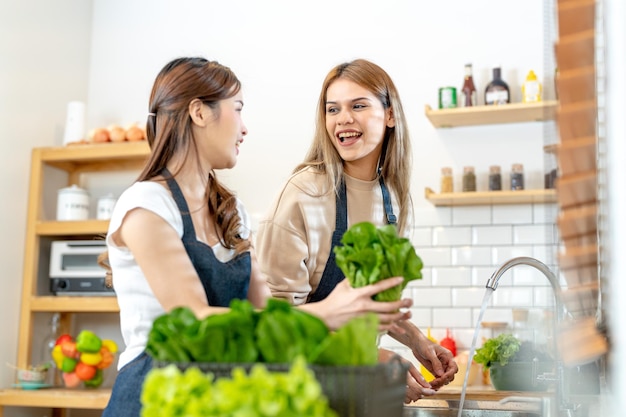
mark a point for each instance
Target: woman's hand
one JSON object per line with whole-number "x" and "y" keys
{"x": 437, "y": 359}
{"x": 416, "y": 385}
{"x": 344, "y": 303}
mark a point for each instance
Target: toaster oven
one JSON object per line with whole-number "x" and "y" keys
{"x": 74, "y": 268}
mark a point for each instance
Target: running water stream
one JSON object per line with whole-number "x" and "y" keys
{"x": 486, "y": 298}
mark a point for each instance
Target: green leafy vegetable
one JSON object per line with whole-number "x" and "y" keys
{"x": 352, "y": 344}
{"x": 499, "y": 349}
{"x": 171, "y": 392}
{"x": 277, "y": 334}
{"x": 284, "y": 333}
{"x": 371, "y": 254}
{"x": 507, "y": 348}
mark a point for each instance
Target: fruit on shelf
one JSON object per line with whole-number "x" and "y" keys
{"x": 81, "y": 360}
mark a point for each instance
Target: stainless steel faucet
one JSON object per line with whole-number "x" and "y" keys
{"x": 525, "y": 260}
{"x": 564, "y": 407}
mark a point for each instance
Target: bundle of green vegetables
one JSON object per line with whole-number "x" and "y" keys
{"x": 279, "y": 333}
{"x": 171, "y": 392}
{"x": 371, "y": 254}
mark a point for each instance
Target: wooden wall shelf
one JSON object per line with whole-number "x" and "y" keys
{"x": 490, "y": 197}
{"x": 486, "y": 115}
{"x": 90, "y": 157}
{"x": 64, "y": 228}
{"x": 75, "y": 304}
{"x": 95, "y": 399}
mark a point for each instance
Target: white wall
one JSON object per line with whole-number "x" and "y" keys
{"x": 44, "y": 63}
{"x": 282, "y": 50}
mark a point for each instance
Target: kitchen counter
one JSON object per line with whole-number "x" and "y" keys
{"x": 477, "y": 393}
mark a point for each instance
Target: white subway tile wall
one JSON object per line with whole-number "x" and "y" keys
{"x": 461, "y": 248}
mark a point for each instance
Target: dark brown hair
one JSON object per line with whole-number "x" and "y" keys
{"x": 168, "y": 129}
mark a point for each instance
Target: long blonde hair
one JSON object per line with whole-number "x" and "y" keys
{"x": 396, "y": 166}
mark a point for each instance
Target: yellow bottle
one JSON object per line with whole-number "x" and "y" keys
{"x": 427, "y": 375}
{"x": 531, "y": 89}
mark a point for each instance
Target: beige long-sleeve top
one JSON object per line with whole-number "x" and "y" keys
{"x": 294, "y": 240}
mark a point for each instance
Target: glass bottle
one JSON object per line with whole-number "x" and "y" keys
{"x": 517, "y": 177}
{"x": 495, "y": 178}
{"x": 48, "y": 344}
{"x": 497, "y": 91}
{"x": 468, "y": 91}
{"x": 469, "y": 179}
{"x": 446, "y": 180}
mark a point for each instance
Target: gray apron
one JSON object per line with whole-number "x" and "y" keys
{"x": 222, "y": 282}
{"x": 332, "y": 275}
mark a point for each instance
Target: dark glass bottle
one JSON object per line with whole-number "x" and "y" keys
{"x": 497, "y": 91}
{"x": 468, "y": 91}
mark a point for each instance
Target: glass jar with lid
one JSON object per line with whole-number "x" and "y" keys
{"x": 469, "y": 179}
{"x": 495, "y": 178}
{"x": 446, "y": 180}
{"x": 517, "y": 177}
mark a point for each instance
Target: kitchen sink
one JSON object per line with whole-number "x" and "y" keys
{"x": 410, "y": 411}
{"x": 450, "y": 408}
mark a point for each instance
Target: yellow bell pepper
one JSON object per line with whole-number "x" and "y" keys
{"x": 90, "y": 358}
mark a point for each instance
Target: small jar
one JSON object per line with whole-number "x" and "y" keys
{"x": 469, "y": 179}
{"x": 72, "y": 204}
{"x": 105, "y": 207}
{"x": 446, "y": 180}
{"x": 517, "y": 177}
{"x": 495, "y": 178}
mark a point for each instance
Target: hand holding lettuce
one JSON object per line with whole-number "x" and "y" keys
{"x": 371, "y": 254}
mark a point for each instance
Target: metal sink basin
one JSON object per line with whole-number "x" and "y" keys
{"x": 450, "y": 408}
{"x": 410, "y": 411}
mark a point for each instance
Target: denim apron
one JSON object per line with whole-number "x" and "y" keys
{"x": 332, "y": 275}
{"x": 222, "y": 282}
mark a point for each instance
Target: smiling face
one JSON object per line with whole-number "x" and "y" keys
{"x": 356, "y": 122}
{"x": 224, "y": 132}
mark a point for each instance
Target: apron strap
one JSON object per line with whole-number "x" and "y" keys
{"x": 391, "y": 218}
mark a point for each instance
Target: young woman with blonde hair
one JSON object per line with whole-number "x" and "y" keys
{"x": 357, "y": 169}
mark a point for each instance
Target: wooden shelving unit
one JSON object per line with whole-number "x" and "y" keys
{"x": 490, "y": 197}
{"x": 488, "y": 115}
{"x": 74, "y": 161}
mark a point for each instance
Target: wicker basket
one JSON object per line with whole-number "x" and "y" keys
{"x": 352, "y": 391}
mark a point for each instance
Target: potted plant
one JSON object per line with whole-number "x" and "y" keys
{"x": 514, "y": 365}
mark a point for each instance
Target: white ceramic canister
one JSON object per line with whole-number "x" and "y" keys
{"x": 105, "y": 207}
{"x": 72, "y": 203}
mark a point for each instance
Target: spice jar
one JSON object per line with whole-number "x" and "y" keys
{"x": 495, "y": 178}
{"x": 517, "y": 177}
{"x": 446, "y": 180}
{"x": 469, "y": 179}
